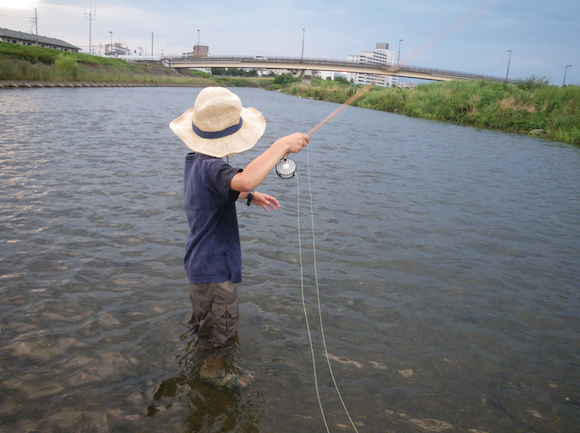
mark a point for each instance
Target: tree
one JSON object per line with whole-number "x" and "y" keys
{"x": 218, "y": 71}
{"x": 533, "y": 82}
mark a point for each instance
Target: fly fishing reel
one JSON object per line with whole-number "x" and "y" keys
{"x": 286, "y": 168}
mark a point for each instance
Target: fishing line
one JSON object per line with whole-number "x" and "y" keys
{"x": 318, "y": 294}
{"x": 455, "y": 26}
{"x": 286, "y": 169}
{"x": 304, "y": 307}
{"x": 458, "y": 24}
{"x": 318, "y": 303}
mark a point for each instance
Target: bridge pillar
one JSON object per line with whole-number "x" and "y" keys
{"x": 306, "y": 77}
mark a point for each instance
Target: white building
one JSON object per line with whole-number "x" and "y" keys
{"x": 408, "y": 85}
{"x": 382, "y": 57}
{"x": 117, "y": 49}
{"x": 324, "y": 75}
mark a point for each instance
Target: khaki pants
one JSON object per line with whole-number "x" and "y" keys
{"x": 215, "y": 312}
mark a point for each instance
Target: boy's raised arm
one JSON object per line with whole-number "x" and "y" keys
{"x": 258, "y": 169}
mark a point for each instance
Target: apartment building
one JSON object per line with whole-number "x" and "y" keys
{"x": 381, "y": 56}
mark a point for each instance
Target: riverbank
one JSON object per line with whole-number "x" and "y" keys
{"x": 29, "y": 84}
{"x": 27, "y": 64}
{"x": 527, "y": 107}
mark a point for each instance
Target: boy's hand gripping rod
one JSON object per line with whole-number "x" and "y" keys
{"x": 286, "y": 168}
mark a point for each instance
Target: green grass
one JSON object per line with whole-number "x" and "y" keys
{"x": 28, "y": 63}
{"x": 48, "y": 56}
{"x": 522, "y": 107}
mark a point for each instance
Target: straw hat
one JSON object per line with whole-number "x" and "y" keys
{"x": 218, "y": 125}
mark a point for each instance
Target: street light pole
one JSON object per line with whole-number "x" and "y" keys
{"x": 111, "y": 47}
{"x": 508, "y": 68}
{"x": 399, "y": 55}
{"x": 197, "y": 43}
{"x": 303, "y": 34}
{"x": 565, "y": 70}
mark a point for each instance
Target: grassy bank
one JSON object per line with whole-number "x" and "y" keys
{"x": 526, "y": 106}
{"x": 28, "y": 63}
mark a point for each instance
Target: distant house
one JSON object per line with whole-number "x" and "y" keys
{"x": 21, "y": 38}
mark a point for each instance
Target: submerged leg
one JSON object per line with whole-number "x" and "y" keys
{"x": 215, "y": 371}
{"x": 215, "y": 320}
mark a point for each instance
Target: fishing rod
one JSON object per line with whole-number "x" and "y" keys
{"x": 286, "y": 167}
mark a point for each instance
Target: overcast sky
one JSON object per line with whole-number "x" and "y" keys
{"x": 460, "y": 35}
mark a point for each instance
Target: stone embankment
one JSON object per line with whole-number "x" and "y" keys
{"x": 76, "y": 84}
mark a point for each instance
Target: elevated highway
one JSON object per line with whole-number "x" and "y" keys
{"x": 295, "y": 64}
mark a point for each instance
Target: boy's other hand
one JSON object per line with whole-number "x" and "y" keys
{"x": 265, "y": 201}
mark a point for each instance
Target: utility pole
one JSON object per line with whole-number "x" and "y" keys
{"x": 36, "y": 26}
{"x": 399, "y": 55}
{"x": 303, "y": 34}
{"x": 508, "y": 68}
{"x": 90, "y": 16}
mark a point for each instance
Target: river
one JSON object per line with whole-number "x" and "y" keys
{"x": 446, "y": 259}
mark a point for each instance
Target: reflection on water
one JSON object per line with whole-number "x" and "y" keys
{"x": 447, "y": 263}
{"x": 191, "y": 404}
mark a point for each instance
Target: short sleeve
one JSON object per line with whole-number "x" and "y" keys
{"x": 220, "y": 176}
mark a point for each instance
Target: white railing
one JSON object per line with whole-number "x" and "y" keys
{"x": 337, "y": 63}
{"x": 139, "y": 58}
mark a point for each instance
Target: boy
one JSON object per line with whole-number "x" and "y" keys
{"x": 216, "y": 127}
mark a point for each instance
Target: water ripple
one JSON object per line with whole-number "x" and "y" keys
{"x": 447, "y": 262}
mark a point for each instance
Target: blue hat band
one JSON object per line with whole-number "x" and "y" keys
{"x": 218, "y": 134}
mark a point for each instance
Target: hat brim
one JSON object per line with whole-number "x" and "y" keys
{"x": 244, "y": 139}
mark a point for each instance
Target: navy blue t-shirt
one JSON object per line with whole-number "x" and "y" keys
{"x": 212, "y": 248}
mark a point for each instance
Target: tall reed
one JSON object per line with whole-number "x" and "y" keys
{"x": 553, "y": 110}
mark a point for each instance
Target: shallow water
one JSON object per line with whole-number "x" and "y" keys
{"x": 446, "y": 259}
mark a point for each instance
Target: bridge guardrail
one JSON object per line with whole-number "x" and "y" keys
{"x": 329, "y": 62}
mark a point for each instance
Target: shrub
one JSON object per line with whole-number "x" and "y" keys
{"x": 283, "y": 79}
{"x": 67, "y": 66}
{"x": 200, "y": 74}
{"x": 342, "y": 80}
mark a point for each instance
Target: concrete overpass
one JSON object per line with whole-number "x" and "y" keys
{"x": 323, "y": 65}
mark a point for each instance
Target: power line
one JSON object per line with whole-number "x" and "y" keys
{"x": 9, "y": 16}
